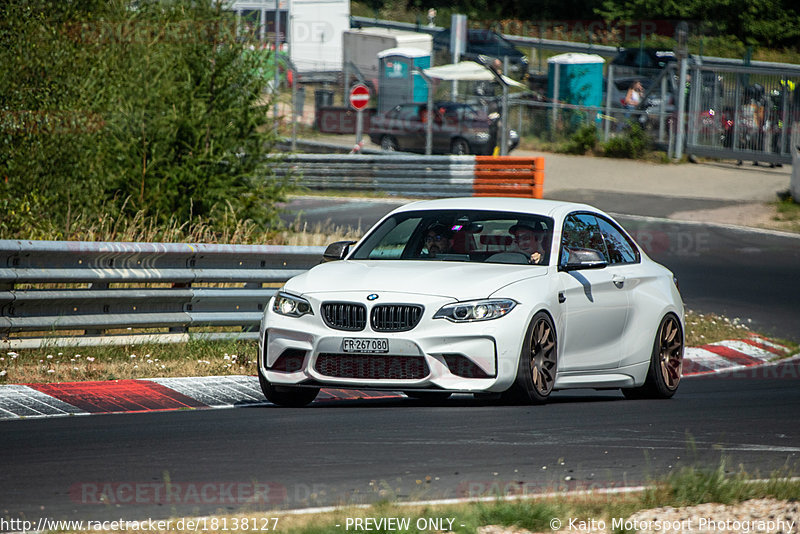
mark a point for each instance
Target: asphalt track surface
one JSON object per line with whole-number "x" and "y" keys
{"x": 740, "y": 273}
{"x": 358, "y": 451}
{"x": 188, "y": 463}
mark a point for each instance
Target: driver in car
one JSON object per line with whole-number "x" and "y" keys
{"x": 438, "y": 240}
{"x": 529, "y": 240}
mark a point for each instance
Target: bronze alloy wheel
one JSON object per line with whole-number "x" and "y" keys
{"x": 671, "y": 352}
{"x": 666, "y": 363}
{"x": 543, "y": 357}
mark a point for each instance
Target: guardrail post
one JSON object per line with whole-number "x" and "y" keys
{"x": 538, "y": 177}
{"x": 507, "y": 176}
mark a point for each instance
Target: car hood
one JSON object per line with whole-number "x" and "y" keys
{"x": 456, "y": 280}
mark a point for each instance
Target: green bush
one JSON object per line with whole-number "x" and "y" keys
{"x": 107, "y": 110}
{"x": 582, "y": 141}
{"x": 633, "y": 143}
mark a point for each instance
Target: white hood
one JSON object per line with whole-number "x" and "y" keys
{"x": 456, "y": 280}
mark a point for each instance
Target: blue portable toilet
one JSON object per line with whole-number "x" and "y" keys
{"x": 579, "y": 79}
{"x": 396, "y": 83}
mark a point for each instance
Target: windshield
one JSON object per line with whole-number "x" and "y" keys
{"x": 460, "y": 235}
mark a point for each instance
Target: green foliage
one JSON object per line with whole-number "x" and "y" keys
{"x": 767, "y": 23}
{"x": 762, "y": 23}
{"x": 633, "y": 143}
{"x": 531, "y": 515}
{"x": 108, "y": 110}
{"x": 582, "y": 141}
{"x": 690, "y": 486}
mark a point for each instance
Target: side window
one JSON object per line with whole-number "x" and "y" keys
{"x": 392, "y": 245}
{"x": 620, "y": 248}
{"x": 408, "y": 113}
{"x": 581, "y": 231}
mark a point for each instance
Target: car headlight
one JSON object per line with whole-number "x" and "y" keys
{"x": 291, "y": 306}
{"x": 477, "y": 310}
{"x": 482, "y": 136}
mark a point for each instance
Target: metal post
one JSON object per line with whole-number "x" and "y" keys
{"x": 294, "y": 112}
{"x": 262, "y": 27}
{"x": 609, "y": 86}
{"x": 458, "y": 38}
{"x": 504, "y": 114}
{"x": 359, "y": 128}
{"x": 662, "y": 109}
{"x": 737, "y": 98}
{"x": 784, "y": 116}
{"x": 556, "y": 88}
{"x": 429, "y": 122}
{"x": 679, "y": 136}
{"x": 695, "y": 88}
{"x": 277, "y": 78}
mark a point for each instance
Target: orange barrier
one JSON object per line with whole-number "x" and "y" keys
{"x": 507, "y": 176}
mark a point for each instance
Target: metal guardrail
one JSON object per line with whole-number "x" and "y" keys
{"x": 408, "y": 175}
{"x": 58, "y": 293}
{"x": 418, "y": 176}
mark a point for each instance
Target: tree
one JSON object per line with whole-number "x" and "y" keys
{"x": 169, "y": 112}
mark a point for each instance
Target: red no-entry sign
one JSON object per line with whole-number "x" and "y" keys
{"x": 359, "y": 96}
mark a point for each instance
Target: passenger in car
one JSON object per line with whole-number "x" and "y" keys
{"x": 529, "y": 239}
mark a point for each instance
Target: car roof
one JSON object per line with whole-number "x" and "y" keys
{"x": 551, "y": 208}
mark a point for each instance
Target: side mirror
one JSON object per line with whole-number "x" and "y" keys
{"x": 583, "y": 258}
{"x": 336, "y": 251}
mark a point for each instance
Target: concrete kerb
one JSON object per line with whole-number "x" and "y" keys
{"x": 751, "y": 357}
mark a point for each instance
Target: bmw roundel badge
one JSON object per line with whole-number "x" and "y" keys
{"x": 373, "y": 296}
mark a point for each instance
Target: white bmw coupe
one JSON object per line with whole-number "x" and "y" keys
{"x": 491, "y": 296}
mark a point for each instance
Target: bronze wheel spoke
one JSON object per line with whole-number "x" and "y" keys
{"x": 537, "y": 378}
{"x": 543, "y": 359}
{"x": 671, "y": 354}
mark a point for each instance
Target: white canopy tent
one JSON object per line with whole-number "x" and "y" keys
{"x": 468, "y": 71}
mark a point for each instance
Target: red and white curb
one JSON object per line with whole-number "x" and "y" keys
{"x": 166, "y": 394}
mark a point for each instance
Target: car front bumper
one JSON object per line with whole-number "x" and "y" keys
{"x": 436, "y": 355}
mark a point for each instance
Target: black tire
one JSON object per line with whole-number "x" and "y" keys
{"x": 666, "y": 363}
{"x": 459, "y": 147}
{"x": 294, "y": 397}
{"x": 388, "y": 143}
{"x": 428, "y": 396}
{"x": 538, "y": 362}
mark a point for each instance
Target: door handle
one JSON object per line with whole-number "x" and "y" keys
{"x": 619, "y": 281}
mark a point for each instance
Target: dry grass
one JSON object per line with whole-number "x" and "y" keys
{"x": 195, "y": 358}
{"x": 705, "y": 328}
{"x": 230, "y": 230}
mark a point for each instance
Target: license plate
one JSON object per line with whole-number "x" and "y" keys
{"x": 365, "y": 344}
